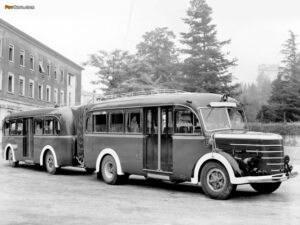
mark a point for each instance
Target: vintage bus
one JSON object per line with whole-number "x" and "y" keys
{"x": 46, "y": 137}
{"x": 194, "y": 137}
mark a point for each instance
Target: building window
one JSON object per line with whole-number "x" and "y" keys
{"x": 69, "y": 79}
{"x": 22, "y": 58}
{"x": 48, "y": 93}
{"x": 21, "y": 86}
{"x": 70, "y": 98}
{"x": 48, "y": 70}
{"x": 11, "y": 53}
{"x": 62, "y": 76}
{"x": 62, "y": 97}
{"x": 55, "y": 96}
{"x": 0, "y": 47}
{"x": 55, "y": 74}
{"x": 31, "y": 62}
{"x": 31, "y": 89}
{"x": 41, "y": 67}
{"x": 0, "y": 79}
{"x": 40, "y": 92}
{"x": 10, "y": 83}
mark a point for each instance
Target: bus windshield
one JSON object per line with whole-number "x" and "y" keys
{"x": 223, "y": 118}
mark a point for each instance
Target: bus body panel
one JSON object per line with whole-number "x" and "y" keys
{"x": 63, "y": 146}
{"x": 186, "y": 152}
{"x": 129, "y": 148}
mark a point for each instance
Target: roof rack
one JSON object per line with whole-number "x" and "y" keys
{"x": 139, "y": 93}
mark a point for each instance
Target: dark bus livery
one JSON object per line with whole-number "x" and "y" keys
{"x": 200, "y": 138}
{"x": 46, "y": 137}
{"x": 195, "y": 137}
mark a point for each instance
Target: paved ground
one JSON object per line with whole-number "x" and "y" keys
{"x": 29, "y": 195}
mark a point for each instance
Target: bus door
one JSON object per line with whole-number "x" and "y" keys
{"x": 151, "y": 140}
{"x": 158, "y": 141}
{"x": 166, "y": 139}
{"x": 28, "y": 132}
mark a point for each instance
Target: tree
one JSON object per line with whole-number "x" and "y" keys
{"x": 114, "y": 68}
{"x": 205, "y": 67}
{"x": 284, "y": 103}
{"x": 157, "y": 59}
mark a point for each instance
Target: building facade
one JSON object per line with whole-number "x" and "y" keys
{"x": 33, "y": 75}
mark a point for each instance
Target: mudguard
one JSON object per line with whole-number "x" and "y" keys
{"x": 238, "y": 172}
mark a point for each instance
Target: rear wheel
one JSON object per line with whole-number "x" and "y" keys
{"x": 50, "y": 163}
{"x": 109, "y": 171}
{"x": 215, "y": 181}
{"x": 11, "y": 159}
{"x": 265, "y": 188}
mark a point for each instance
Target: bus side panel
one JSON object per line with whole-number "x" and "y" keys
{"x": 128, "y": 148}
{"x": 186, "y": 153}
{"x": 64, "y": 147}
{"x": 17, "y": 142}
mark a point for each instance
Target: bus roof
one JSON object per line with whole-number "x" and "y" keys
{"x": 40, "y": 112}
{"x": 194, "y": 100}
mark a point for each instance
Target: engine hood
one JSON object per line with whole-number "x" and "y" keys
{"x": 246, "y": 135}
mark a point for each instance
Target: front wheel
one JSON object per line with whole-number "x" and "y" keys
{"x": 265, "y": 188}
{"x": 215, "y": 181}
{"x": 50, "y": 163}
{"x": 11, "y": 161}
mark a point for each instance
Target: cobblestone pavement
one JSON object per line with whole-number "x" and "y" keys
{"x": 28, "y": 195}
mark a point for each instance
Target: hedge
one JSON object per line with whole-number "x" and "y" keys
{"x": 285, "y": 129}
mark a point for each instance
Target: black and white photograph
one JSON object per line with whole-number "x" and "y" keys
{"x": 149, "y": 112}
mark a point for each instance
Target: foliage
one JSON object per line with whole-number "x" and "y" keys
{"x": 153, "y": 66}
{"x": 284, "y": 103}
{"x": 205, "y": 67}
{"x": 254, "y": 96}
{"x": 285, "y": 129}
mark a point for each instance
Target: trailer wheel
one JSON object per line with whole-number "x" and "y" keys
{"x": 11, "y": 158}
{"x": 265, "y": 188}
{"x": 49, "y": 162}
{"x": 215, "y": 181}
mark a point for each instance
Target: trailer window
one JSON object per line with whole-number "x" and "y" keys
{"x": 12, "y": 127}
{"x": 48, "y": 126}
{"x": 19, "y": 130}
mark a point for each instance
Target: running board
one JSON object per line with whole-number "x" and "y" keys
{"x": 29, "y": 162}
{"x": 158, "y": 176}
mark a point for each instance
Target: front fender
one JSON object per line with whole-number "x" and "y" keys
{"x": 238, "y": 172}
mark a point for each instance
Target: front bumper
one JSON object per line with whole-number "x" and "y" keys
{"x": 264, "y": 179}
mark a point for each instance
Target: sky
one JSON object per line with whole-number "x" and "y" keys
{"x": 257, "y": 28}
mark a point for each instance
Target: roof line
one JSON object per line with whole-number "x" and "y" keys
{"x": 31, "y": 39}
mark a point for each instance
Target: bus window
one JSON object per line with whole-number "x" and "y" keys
{"x": 48, "y": 126}
{"x": 6, "y": 128}
{"x": 100, "y": 122}
{"x": 56, "y": 129}
{"x": 186, "y": 122}
{"x": 116, "y": 122}
{"x": 12, "y": 128}
{"x": 19, "y": 130}
{"x": 133, "y": 121}
{"x": 89, "y": 123}
{"x": 167, "y": 121}
{"x": 38, "y": 126}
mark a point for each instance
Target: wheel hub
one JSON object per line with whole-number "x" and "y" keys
{"x": 216, "y": 179}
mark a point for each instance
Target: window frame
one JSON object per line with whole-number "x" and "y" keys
{"x": 195, "y": 116}
{"x": 23, "y": 88}
{"x": 31, "y": 65}
{"x": 22, "y": 53}
{"x": 40, "y": 97}
{"x": 12, "y": 83}
{"x": 11, "y": 46}
{"x": 48, "y": 87}
{"x": 31, "y": 82}
{"x": 118, "y": 111}
{"x": 126, "y": 120}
